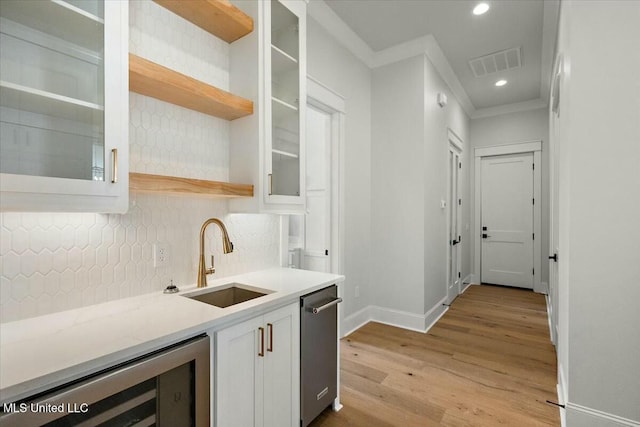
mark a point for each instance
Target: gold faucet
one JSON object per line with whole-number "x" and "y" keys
{"x": 227, "y": 247}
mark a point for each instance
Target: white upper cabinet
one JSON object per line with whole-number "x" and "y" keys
{"x": 64, "y": 112}
{"x": 268, "y": 148}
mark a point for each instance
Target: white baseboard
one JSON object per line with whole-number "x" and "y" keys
{"x": 355, "y": 321}
{"x": 474, "y": 279}
{"x": 401, "y": 319}
{"x": 562, "y": 395}
{"x": 549, "y": 320}
{"x": 585, "y": 416}
{"x": 545, "y": 288}
{"x": 468, "y": 281}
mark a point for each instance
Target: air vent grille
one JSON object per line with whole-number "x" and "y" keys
{"x": 499, "y": 61}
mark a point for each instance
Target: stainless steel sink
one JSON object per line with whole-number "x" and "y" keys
{"x": 234, "y": 293}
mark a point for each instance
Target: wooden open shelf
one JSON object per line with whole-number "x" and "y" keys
{"x": 148, "y": 183}
{"x": 218, "y": 17}
{"x": 150, "y": 79}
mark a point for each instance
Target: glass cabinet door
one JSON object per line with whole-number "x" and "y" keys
{"x": 59, "y": 130}
{"x": 52, "y": 58}
{"x": 286, "y": 153}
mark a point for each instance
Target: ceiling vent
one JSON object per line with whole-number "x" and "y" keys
{"x": 496, "y": 62}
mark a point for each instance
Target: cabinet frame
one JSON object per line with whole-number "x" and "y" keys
{"x": 252, "y": 149}
{"x": 51, "y": 194}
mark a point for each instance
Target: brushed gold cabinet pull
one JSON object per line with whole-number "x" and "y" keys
{"x": 261, "y": 353}
{"x": 270, "y": 330}
{"x": 270, "y": 184}
{"x": 114, "y": 166}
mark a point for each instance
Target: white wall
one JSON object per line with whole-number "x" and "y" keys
{"x": 510, "y": 128}
{"x": 337, "y": 68}
{"x": 600, "y": 206}
{"x": 398, "y": 177}
{"x": 437, "y": 122}
{"x": 409, "y": 168}
{"x": 58, "y": 261}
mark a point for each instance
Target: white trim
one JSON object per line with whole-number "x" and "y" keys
{"x": 455, "y": 140}
{"x": 563, "y": 412}
{"x": 455, "y": 146}
{"x": 469, "y": 281}
{"x": 551, "y": 13}
{"x": 549, "y": 308}
{"x": 537, "y": 223}
{"x": 325, "y": 95}
{"x": 426, "y": 45}
{"x": 509, "y": 148}
{"x": 604, "y": 418}
{"x": 562, "y": 394}
{"x": 330, "y": 21}
{"x": 334, "y": 25}
{"x": 357, "y": 320}
{"x": 534, "y": 147}
{"x": 400, "y": 319}
{"x": 534, "y": 104}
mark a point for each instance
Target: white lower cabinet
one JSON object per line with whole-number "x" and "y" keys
{"x": 257, "y": 366}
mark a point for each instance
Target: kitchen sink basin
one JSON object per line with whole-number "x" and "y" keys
{"x": 233, "y": 294}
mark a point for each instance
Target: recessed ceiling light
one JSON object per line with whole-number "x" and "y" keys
{"x": 480, "y": 8}
{"x": 501, "y": 83}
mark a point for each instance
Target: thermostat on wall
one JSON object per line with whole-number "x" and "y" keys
{"x": 442, "y": 99}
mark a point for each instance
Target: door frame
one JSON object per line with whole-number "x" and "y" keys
{"x": 456, "y": 145}
{"x": 534, "y": 147}
{"x": 325, "y": 99}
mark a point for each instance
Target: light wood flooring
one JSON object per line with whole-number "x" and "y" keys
{"x": 488, "y": 361}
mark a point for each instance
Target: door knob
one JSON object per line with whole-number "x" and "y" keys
{"x": 485, "y": 235}
{"x": 554, "y": 257}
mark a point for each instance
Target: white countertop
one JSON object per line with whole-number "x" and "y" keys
{"x": 43, "y": 352}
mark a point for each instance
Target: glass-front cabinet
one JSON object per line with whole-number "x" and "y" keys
{"x": 64, "y": 108}
{"x": 268, "y": 148}
{"x": 285, "y": 151}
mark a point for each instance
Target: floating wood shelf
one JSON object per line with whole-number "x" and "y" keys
{"x": 150, "y": 79}
{"x": 147, "y": 183}
{"x": 218, "y": 17}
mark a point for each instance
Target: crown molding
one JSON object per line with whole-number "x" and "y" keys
{"x": 551, "y": 14}
{"x": 427, "y": 45}
{"x": 534, "y": 104}
{"x": 335, "y": 26}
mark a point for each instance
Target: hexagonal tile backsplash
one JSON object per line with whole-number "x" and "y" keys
{"x": 58, "y": 261}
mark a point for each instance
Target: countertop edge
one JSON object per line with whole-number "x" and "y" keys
{"x": 33, "y": 386}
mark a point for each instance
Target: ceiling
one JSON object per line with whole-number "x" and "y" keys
{"x": 462, "y": 36}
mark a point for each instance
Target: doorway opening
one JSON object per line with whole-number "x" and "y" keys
{"x": 314, "y": 241}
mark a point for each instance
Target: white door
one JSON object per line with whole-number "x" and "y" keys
{"x": 453, "y": 272}
{"x": 507, "y": 220}
{"x": 317, "y": 232}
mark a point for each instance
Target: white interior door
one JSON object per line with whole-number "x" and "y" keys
{"x": 453, "y": 271}
{"x": 507, "y": 220}
{"x": 317, "y": 230}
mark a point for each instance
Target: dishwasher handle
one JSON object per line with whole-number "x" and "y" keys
{"x": 316, "y": 310}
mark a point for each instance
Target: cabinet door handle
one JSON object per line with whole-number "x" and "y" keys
{"x": 261, "y": 352}
{"x": 270, "y": 184}
{"x": 114, "y": 166}
{"x": 270, "y": 330}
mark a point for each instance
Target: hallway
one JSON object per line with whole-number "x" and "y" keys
{"x": 488, "y": 361}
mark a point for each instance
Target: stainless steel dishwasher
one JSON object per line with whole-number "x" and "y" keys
{"x": 318, "y": 352}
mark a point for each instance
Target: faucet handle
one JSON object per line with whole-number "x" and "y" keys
{"x": 213, "y": 268}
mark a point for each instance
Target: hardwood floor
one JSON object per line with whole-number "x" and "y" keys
{"x": 488, "y": 361}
